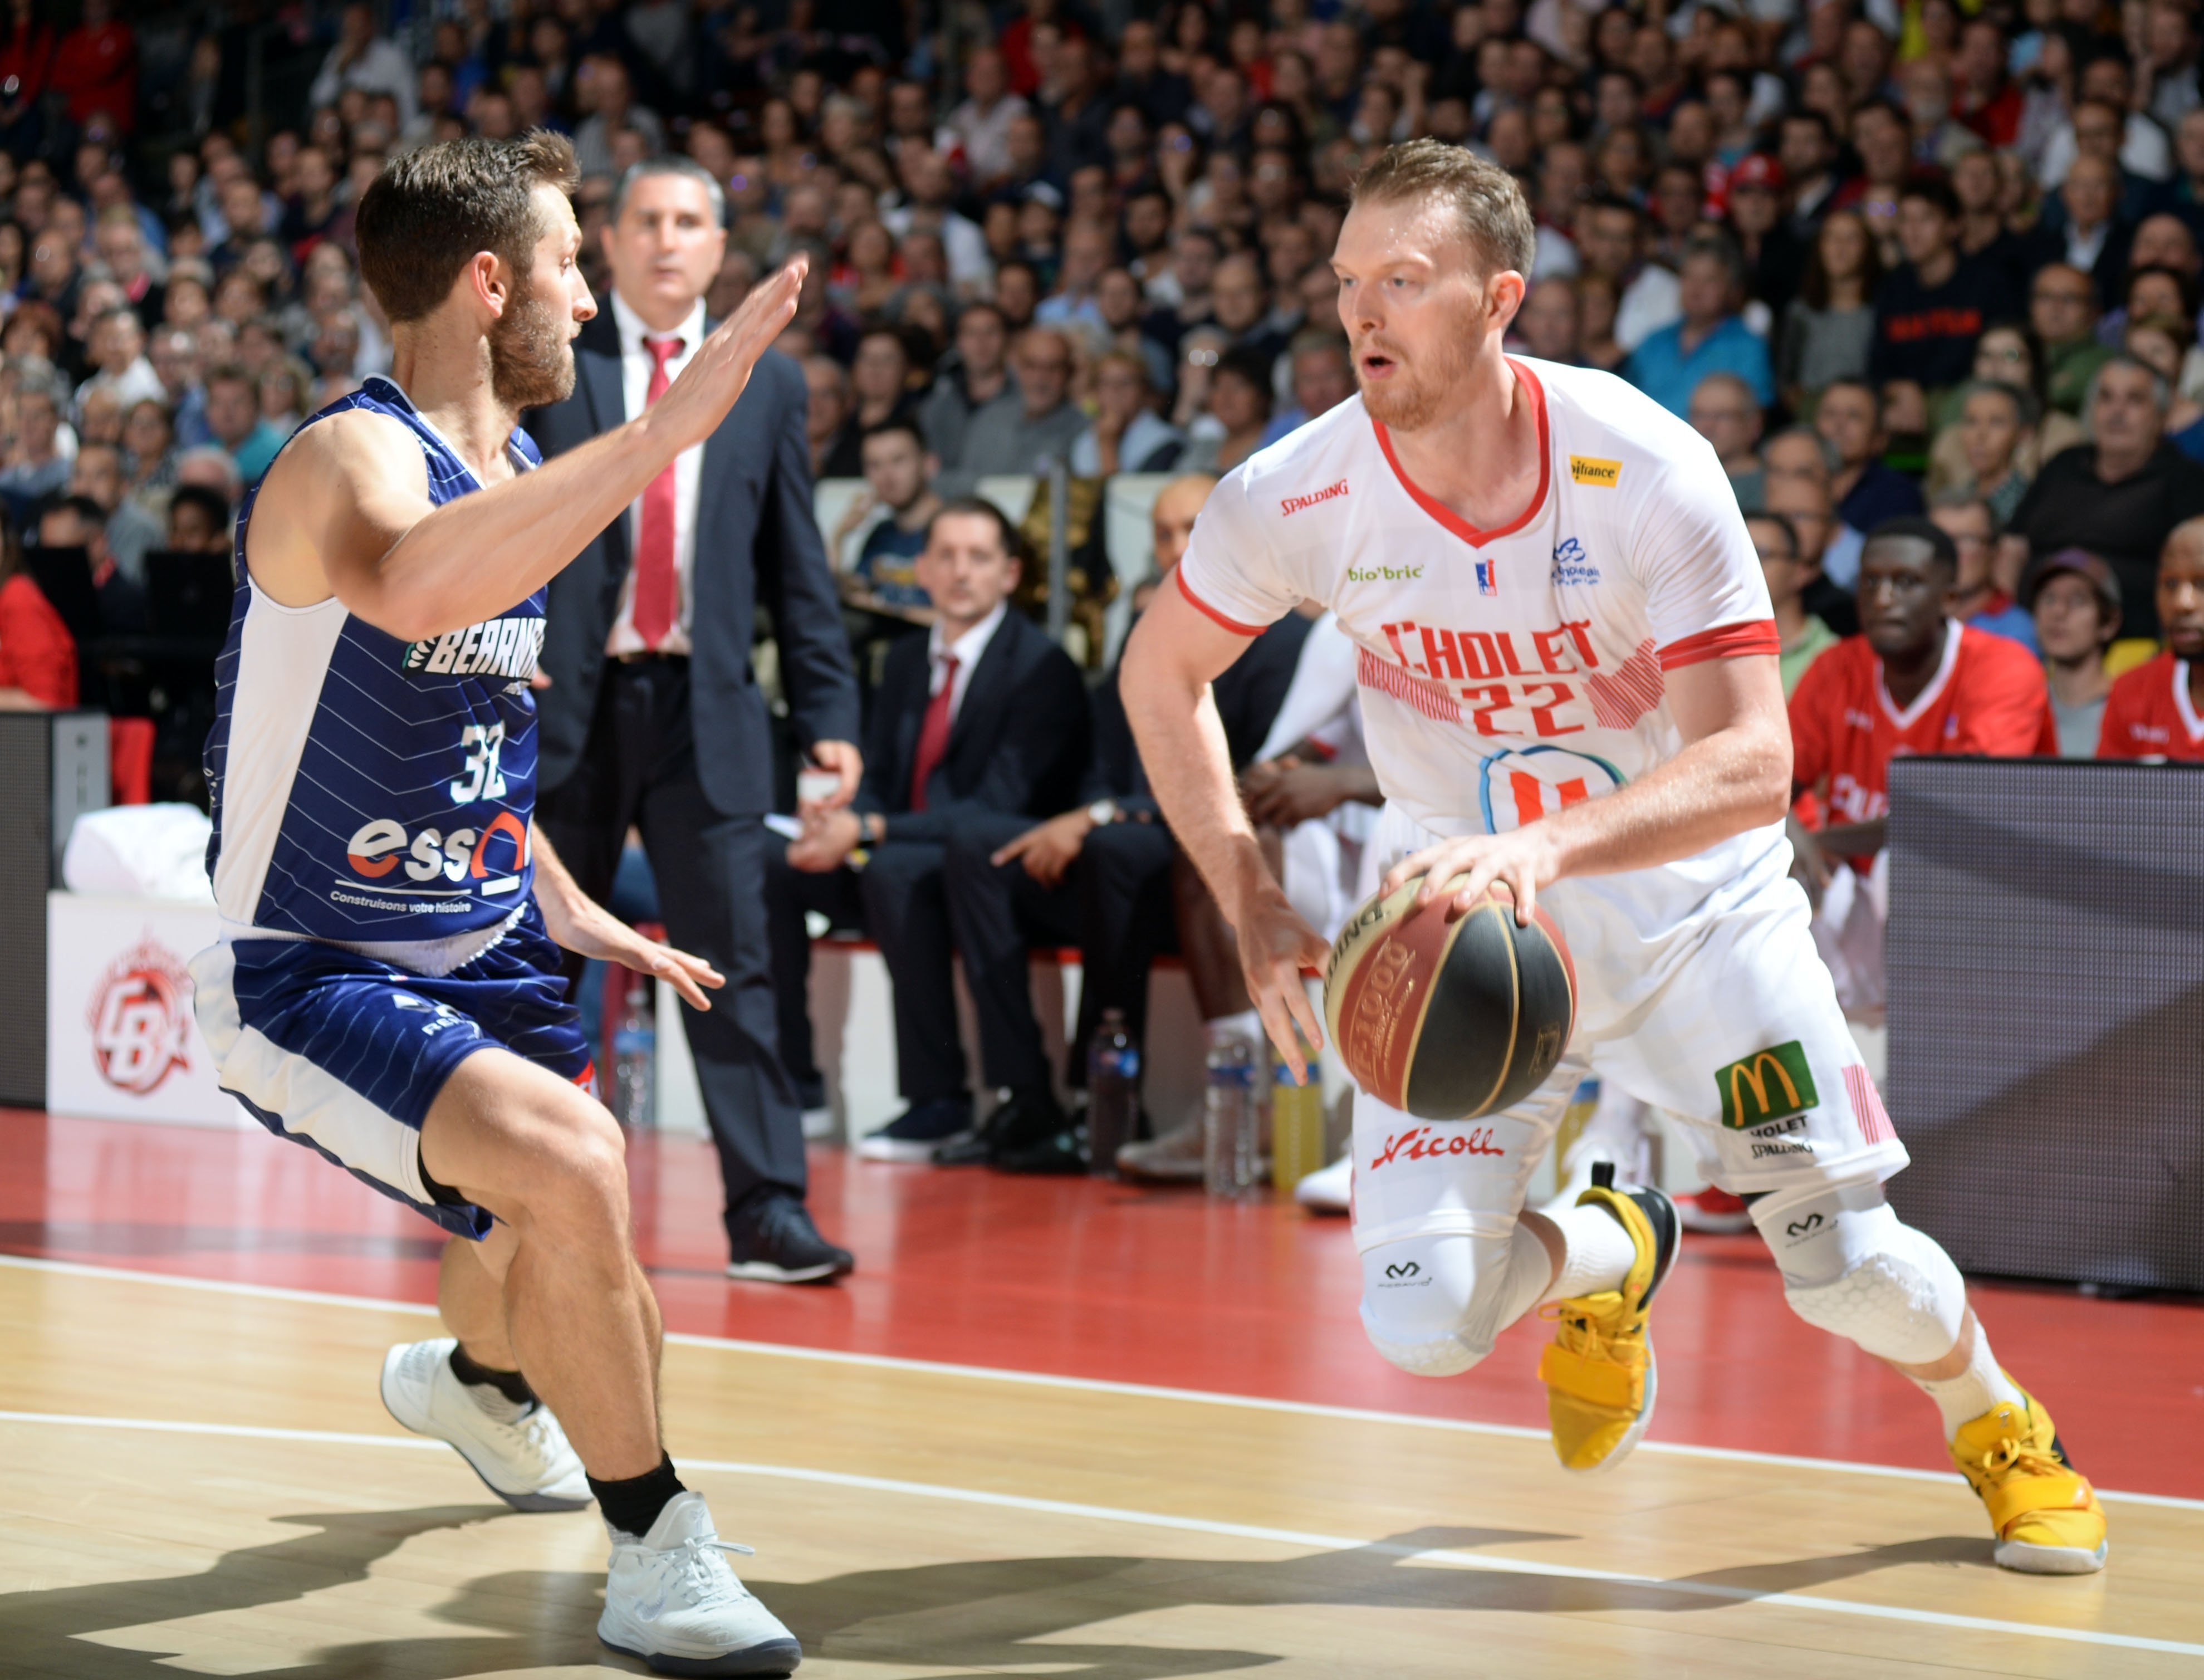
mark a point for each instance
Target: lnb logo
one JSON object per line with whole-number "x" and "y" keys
{"x": 1383, "y": 573}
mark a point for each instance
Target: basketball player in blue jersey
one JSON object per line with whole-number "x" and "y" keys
{"x": 385, "y": 990}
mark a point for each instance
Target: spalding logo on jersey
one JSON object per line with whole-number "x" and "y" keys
{"x": 493, "y": 648}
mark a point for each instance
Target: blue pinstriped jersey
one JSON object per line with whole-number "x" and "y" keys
{"x": 366, "y": 789}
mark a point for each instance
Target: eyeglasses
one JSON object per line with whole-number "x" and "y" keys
{"x": 2011, "y": 353}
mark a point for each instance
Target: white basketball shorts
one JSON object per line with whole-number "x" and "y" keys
{"x": 1725, "y": 1016}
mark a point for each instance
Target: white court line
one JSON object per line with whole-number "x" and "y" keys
{"x": 1150, "y": 1519}
{"x": 1083, "y": 1384}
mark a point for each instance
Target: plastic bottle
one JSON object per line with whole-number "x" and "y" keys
{"x": 1232, "y": 1119}
{"x": 634, "y": 1050}
{"x": 1296, "y": 1125}
{"x": 1113, "y": 1091}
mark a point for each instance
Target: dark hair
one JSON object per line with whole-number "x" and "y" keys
{"x": 1820, "y": 119}
{"x": 84, "y": 507}
{"x": 205, "y": 497}
{"x": 1930, "y": 191}
{"x": 978, "y": 507}
{"x": 1611, "y": 201}
{"x": 2183, "y": 284}
{"x": 1943, "y": 551}
{"x": 981, "y": 306}
{"x": 1782, "y": 523}
{"x": 1888, "y": 106}
{"x": 1486, "y": 200}
{"x": 1814, "y": 284}
{"x": 904, "y": 423}
{"x": 1251, "y": 365}
{"x": 2039, "y": 377}
{"x": 425, "y": 218}
{"x": 231, "y": 373}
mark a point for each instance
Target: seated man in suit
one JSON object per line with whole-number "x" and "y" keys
{"x": 1100, "y": 875}
{"x": 79, "y": 522}
{"x": 983, "y": 715}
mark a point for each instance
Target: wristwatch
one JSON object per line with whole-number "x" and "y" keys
{"x": 1102, "y": 813}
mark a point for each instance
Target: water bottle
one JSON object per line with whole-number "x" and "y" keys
{"x": 1113, "y": 1091}
{"x": 1296, "y": 1125}
{"x": 1231, "y": 1119}
{"x": 635, "y": 1049}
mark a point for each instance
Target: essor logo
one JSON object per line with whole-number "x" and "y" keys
{"x": 1430, "y": 1143}
{"x": 379, "y": 847}
{"x": 1383, "y": 573}
{"x": 1293, "y": 505}
{"x": 140, "y": 1018}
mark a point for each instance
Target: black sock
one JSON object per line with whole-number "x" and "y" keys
{"x": 510, "y": 1384}
{"x": 632, "y": 1505}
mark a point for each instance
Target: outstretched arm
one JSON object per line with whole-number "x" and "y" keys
{"x": 578, "y": 922}
{"x": 1174, "y": 654}
{"x": 347, "y": 512}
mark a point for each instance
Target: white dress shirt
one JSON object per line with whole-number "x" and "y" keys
{"x": 966, "y": 650}
{"x": 635, "y": 364}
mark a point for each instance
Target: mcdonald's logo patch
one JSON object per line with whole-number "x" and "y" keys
{"x": 1766, "y": 1085}
{"x": 1590, "y": 470}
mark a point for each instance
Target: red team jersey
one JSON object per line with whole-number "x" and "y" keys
{"x": 2150, "y": 715}
{"x": 1986, "y": 698}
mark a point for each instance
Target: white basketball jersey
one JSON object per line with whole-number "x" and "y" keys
{"x": 1508, "y": 674}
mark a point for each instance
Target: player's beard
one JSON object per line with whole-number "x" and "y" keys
{"x": 531, "y": 360}
{"x": 1413, "y": 395}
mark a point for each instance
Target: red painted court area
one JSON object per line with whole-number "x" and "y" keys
{"x": 1097, "y": 1280}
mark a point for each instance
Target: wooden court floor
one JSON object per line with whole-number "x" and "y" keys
{"x": 198, "y": 1479}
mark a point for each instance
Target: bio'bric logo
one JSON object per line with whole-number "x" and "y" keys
{"x": 1383, "y": 573}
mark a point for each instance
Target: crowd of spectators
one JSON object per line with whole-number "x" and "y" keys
{"x": 1896, "y": 263}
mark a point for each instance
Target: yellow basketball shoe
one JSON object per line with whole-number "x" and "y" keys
{"x": 2046, "y": 1516}
{"x": 1598, "y": 1369}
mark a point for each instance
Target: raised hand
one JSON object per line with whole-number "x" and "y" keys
{"x": 695, "y": 403}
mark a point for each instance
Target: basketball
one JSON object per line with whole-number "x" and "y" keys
{"x": 1448, "y": 1020}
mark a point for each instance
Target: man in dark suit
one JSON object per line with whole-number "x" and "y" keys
{"x": 1098, "y": 876}
{"x": 653, "y": 717}
{"x": 983, "y": 719}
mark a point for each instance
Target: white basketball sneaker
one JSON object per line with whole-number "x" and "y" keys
{"x": 527, "y": 1463}
{"x": 672, "y": 1600}
{"x": 1330, "y": 1190}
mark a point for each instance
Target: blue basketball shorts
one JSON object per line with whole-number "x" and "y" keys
{"x": 345, "y": 1054}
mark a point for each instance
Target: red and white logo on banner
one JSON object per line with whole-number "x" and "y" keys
{"x": 140, "y": 1017}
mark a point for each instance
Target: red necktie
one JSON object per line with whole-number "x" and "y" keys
{"x": 933, "y": 733}
{"x": 655, "y": 582}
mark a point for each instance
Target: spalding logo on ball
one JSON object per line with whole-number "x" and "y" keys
{"x": 1448, "y": 1020}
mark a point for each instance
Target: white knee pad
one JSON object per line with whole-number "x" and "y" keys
{"x": 1432, "y": 1305}
{"x": 1857, "y": 1271}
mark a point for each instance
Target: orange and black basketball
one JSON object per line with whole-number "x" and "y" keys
{"x": 1448, "y": 1020}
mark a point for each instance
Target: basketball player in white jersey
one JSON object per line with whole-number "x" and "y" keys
{"x": 1570, "y": 693}
{"x": 410, "y": 1024}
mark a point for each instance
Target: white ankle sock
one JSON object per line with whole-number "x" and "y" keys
{"x": 1973, "y": 1391}
{"x": 1529, "y": 1272}
{"x": 1600, "y": 1252}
